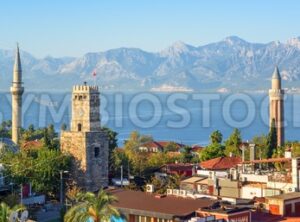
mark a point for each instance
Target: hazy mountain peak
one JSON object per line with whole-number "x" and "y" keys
{"x": 176, "y": 49}
{"x": 232, "y": 63}
{"x": 294, "y": 42}
{"x": 231, "y": 40}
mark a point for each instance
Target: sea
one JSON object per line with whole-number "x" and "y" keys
{"x": 184, "y": 117}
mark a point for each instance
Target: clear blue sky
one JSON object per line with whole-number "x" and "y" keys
{"x": 74, "y": 27}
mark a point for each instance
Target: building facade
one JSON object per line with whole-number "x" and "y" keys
{"x": 17, "y": 91}
{"x": 276, "y": 106}
{"x": 85, "y": 141}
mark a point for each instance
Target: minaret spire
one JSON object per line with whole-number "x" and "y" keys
{"x": 17, "y": 78}
{"x": 17, "y": 91}
{"x": 276, "y": 106}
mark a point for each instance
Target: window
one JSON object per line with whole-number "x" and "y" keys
{"x": 96, "y": 151}
{"x": 75, "y": 97}
{"x": 79, "y": 126}
{"x": 80, "y": 97}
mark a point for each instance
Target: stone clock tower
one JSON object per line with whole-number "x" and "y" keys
{"x": 87, "y": 144}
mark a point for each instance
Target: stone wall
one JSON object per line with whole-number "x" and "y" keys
{"x": 90, "y": 172}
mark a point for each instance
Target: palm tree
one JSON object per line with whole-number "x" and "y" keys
{"x": 6, "y": 211}
{"x": 92, "y": 206}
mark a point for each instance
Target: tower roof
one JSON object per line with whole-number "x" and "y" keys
{"x": 17, "y": 66}
{"x": 276, "y": 74}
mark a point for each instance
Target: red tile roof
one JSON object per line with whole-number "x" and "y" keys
{"x": 197, "y": 148}
{"x": 35, "y": 144}
{"x": 221, "y": 163}
{"x": 161, "y": 144}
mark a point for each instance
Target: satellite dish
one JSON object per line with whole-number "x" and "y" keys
{"x": 13, "y": 216}
{"x": 24, "y": 216}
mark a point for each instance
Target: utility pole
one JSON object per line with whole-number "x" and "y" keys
{"x": 128, "y": 171}
{"x": 61, "y": 188}
{"x": 121, "y": 176}
{"x": 21, "y": 194}
{"x": 61, "y": 196}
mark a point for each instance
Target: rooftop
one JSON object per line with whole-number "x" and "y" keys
{"x": 193, "y": 179}
{"x": 179, "y": 166}
{"x": 148, "y": 204}
{"x": 6, "y": 144}
{"x": 265, "y": 217}
{"x": 34, "y": 144}
{"x": 285, "y": 196}
{"x": 161, "y": 144}
{"x": 225, "y": 210}
{"x": 220, "y": 163}
{"x": 271, "y": 160}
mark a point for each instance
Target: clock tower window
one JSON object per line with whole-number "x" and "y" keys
{"x": 79, "y": 126}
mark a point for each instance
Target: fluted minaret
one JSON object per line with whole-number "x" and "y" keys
{"x": 16, "y": 91}
{"x": 276, "y": 106}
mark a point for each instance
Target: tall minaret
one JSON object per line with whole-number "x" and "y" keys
{"x": 276, "y": 106}
{"x": 16, "y": 91}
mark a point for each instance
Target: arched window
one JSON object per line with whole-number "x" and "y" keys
{"x": 79, "y": 126}
{"x": 80, "y": 97}
{"x": 96, "y": 151}
{"x": 75, "y": 97}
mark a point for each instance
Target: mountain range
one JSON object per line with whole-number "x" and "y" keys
{"x": 230, "y": 64}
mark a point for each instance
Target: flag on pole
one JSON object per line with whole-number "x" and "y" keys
{"x": 94, "y": 76}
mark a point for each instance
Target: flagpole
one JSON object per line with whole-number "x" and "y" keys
{"x": 94, "y": 76}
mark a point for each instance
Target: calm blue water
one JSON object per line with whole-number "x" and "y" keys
{"x": 182, "y": 117}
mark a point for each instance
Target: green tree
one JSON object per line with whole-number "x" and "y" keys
{"x": 171, "y": 147}
{"x": 119, "y": 159}
{"x": 6, "y": 211}
{"x": 46, "y": 139}
{"x": 212, "y": 151}
{"x": 272, "y": 140}
{"x": 232, "y": 144}
{"x": 97, "y": 207}
{"x": 113, "y": 143}
{"x": 215, "y": 149}
{"x": 278, "y": 153}
{"x": 187, "y": 155}
{"x": 63, "y": 127}
{"x": 295, "y": 149}
{"x": 159, "y": 185}
{"x": 51, "y": 132}
{"x": 31, "y": 129}
{"x": 261, "y": 147}
{"x": 173, "y": 181}
{"x": 216, "y": 137}
{"x": 5, "y": 129}
{"x": 145, "y": 138}
{"x": 40, "y": 167}
{"x": 132, "y": 144}
{"x": 170, "y": 182}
